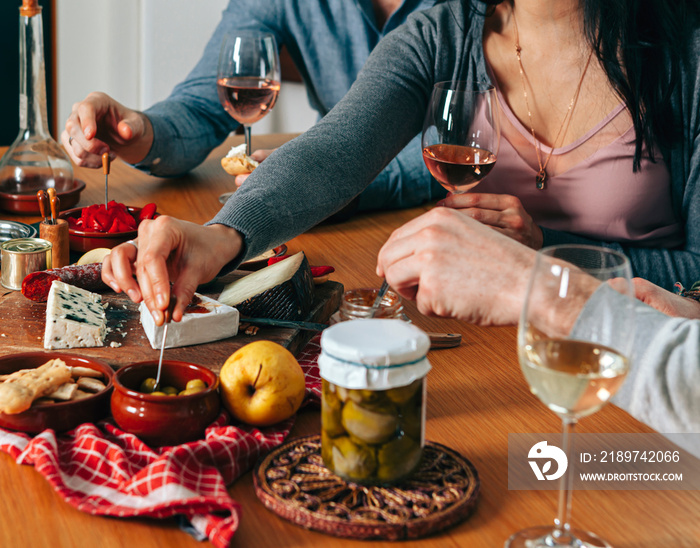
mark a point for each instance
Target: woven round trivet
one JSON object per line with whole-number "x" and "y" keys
{"x": 293, "y": 482}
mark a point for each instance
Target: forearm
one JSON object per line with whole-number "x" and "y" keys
{"x": 662, "y": 388}
{"x": 405, "y": 182}
{"x": 183, "y": 135}
{"x": 191, "y": 121}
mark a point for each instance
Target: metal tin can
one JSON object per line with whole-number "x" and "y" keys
{"x": 22, "y": 256}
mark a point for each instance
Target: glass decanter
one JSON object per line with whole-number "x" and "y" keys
{"x": 34, "y": 160}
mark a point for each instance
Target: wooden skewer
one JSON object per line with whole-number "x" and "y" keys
{"x": 105, "y": 170}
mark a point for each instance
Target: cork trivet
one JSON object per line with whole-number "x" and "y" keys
{"x": 293, "y": 482}
{"x": 58, "y": 236}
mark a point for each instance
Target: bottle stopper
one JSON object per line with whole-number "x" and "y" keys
{"x": 29, "y": 8}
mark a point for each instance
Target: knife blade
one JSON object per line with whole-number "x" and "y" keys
{"x": 168, "y": 315}
{"x": 437, "y": 340}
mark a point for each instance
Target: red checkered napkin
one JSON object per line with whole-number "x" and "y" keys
{"x": 103, "y": 470}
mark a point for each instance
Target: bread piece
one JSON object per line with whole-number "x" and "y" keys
{"x": 237, "y": 162}
{"x": 17, "y": 395}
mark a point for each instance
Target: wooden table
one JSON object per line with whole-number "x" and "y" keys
{"x": 477, "y": 396}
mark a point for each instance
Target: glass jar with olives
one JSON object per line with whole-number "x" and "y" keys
{"x": 373, "y": 399}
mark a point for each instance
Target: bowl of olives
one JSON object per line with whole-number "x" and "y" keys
{"x": 176, "y": 411}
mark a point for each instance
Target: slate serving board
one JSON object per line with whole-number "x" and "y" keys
{"x": 22, "y": 325}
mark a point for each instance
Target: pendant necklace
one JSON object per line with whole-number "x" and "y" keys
{"x": 541, "y": 177}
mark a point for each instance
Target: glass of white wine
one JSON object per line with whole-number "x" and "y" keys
{"x": 574, "y": 366}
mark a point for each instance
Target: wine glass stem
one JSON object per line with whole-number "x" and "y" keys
{"x": 246, "y": 132}
{"x": 562, "y": 527}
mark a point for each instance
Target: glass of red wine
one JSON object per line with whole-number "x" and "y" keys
{"x": 461, "y": 134}
{"x": 248, "y": 78}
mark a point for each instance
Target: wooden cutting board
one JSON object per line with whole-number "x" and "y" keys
{"x": 22, "y": 325}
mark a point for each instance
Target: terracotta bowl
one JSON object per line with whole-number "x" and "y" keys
{"x": 83, "y": 241}
{"x": 57, "y": 416}
{"x": 26, "y": 202}
{"x": 164, "y": 420}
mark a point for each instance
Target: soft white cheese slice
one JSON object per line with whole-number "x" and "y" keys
{"x": 75, "y": 318}
{"x": 219, "y": 322}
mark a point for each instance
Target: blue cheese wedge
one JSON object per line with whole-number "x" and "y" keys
{"x": 205, "y": 320}
{"x": 75, "y": 318}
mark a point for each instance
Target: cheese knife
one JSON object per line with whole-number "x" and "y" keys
{"x": 378, "y": 300}
{"x": 167, "y": 316}
{"x": 437, "y": 340}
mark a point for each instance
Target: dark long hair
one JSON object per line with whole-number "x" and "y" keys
{"x": 642, "y": 46}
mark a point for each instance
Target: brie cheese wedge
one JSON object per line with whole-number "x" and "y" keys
{"x": 205, "y": 320}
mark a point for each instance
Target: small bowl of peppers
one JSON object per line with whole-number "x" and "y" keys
{"x": 99, "y": 226}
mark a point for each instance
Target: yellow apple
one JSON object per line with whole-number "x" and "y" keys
{"x": 262, "y": 383}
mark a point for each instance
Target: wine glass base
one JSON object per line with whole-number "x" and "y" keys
{"x": 543, "y": 537}
{"x": 224, "y": 197}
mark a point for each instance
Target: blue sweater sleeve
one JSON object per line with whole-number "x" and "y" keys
{"x": 664, "y": 267}
{"x": 662, "y": 388}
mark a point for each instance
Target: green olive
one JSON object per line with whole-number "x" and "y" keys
{"x": 188, "y": 391}
{"x": 331, "y": 422}
{"x": 342, "y": 393}
{"x": 402, "y": 394}
{"x": 372, "y": 426}
{"x": 170, "y": 390}
{"x": 412, "y": 418}
{"x": 148, "y": 385}
{"x": 327, "y": 450}
{"x": 353, "y": 461}
{"x": 397, "y": 459}
{"x": 158, "y": 393}
{"x": 195, "y": 383}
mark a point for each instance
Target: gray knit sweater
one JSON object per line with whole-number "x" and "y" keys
{"x": 316, "y": 174}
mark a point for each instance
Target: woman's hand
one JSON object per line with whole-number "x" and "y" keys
{"x": 665, "y": 301}
{"x": 99, "y": 124}
{"x": 453, "y": 266}
{"x": 502, "y": 212}
{"x": 258, "y": 155}
{"x": 169, "y": 250}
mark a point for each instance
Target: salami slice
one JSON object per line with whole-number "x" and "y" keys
{"x": 36, "y": 285}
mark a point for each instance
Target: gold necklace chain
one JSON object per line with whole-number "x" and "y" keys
{"x": 541, "y": 177}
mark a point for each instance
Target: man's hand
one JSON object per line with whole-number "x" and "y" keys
{"x": 99, "y": 124}
{"x": 454, "y": 266}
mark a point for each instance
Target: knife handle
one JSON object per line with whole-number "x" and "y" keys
{"x": 168, "y": 313}
{"x": 444, "y": 340}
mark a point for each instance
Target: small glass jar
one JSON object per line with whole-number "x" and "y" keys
{"x": 357, "y": 304}
{"x": 374, "y": 399}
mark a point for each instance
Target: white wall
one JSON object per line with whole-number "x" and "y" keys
{"x": 137, "y": 50}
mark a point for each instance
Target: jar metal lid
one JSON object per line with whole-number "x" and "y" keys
{"x": 374, "y": 354}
